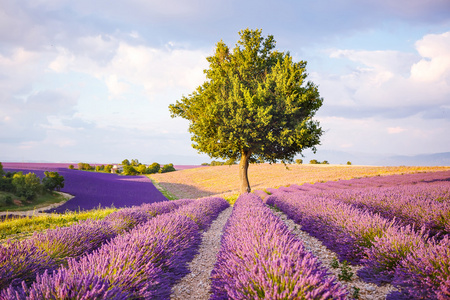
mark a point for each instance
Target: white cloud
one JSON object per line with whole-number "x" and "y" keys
{"x": 394, "y": 130}
{"x": 18, "y": 69}
{"x": 390, "y": 83}
{"x": 152, "y": 69}
{"x": 435, "y": 64}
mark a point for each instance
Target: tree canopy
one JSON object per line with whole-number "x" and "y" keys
{"x": 254, "y": 106}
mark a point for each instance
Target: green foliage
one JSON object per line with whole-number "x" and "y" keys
{"x": 229, "y": 162}
{"x": 108, "y": 168}
{"x": 27, "y": 186}
{"x": 135, "y": 167}
{"x": 85, "y": 167}
{"x": 20, "y": 227}
{"x": 52, "y": 181}
{"x": 217, "y": 163}
{"x": 1, "y": 170}
{"x": 129, "y": 170}
{"x": 7, "y": 199}
{"x": 334, "y": 263}
{"x": 167, "y": 168}
{"x": 254, "y": 106}
{"x": 299, "y": 161}
{"x": 355, "y": 293}
{"x": 346, "y": 272}
{"x": 71, "y": 167}
{"x": 231, "y": 199}
{"x": 316, "y": 162}
{"x": 349, "y": 163}
{"x": 6, "y": 182}
{"x": 141, "y": 169}
{"x": 153, "y": 168}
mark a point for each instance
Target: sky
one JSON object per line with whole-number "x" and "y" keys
{"x": 91, "y": 81}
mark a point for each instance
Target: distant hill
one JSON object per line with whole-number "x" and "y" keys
{"x": 341, "y": 157}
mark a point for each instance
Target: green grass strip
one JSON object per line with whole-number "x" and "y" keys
{"x": 17, "y": 228}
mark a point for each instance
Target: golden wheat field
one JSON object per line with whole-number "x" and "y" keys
{"x": 224, "y": 180}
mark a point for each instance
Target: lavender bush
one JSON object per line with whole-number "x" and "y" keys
{"x": 425, "y": 273}
{"x": 22, "y": 260}
{"x": 142, "y": 263}
{"x": 358, "y": 236}
{"x": 421, "y": 204}
{"x": 260, "y": 259}
{"x": 345, "y": 229}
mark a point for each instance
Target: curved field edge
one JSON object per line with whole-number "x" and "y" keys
{"x": 224, "y": 180}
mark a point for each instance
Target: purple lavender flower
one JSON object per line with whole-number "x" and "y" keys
{"x": 141, "y": 263}
{"x": 425, "y": 273}
{"x": 260, "y": 259}
{"x": 22, "y": 260}
{"x": 94, "y": 189}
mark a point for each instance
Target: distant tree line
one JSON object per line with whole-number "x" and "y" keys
{"x": 133, "y": 167}
{"x": 220, "y": 163}
{"x": 88, "y": 167}
{"x": 28, "y": 186}
{"x": 316, "y": 162}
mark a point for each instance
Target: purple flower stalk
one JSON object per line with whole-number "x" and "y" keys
{"x": 425, "y": 273}
{"x": 141, "y": 263}
{"x": 356, "y": 235}
{"x": 22, "y": 260}
{"x": 260, "y": 259}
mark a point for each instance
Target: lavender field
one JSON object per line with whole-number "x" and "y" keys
{"x": 92, "y": 189}
{"x": 395, "y": 229}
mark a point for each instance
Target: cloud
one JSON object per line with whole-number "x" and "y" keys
{"x": 390, "y": 84}
{"x": 394, "y": 130}
{"x": 435, "y": 64}
{"x": 127, "y": 66}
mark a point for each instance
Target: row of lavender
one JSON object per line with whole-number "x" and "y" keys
{"x": 261, "y": 259}
{"x": 93, "y": 189}
{"x": 142, "y": 263}
{"x": 22, "y": 260}
{"x": 387, "y": 233}
{"x": 375, "y": 182}
{"x": 423, "y": 204}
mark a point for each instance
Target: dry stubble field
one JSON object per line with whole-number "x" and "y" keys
{"x": 224, "y": 180}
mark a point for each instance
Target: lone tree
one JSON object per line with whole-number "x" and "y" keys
{"x": 254, "y": 106}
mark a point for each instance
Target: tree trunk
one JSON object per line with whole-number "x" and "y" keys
{"x": 243, "y": 172}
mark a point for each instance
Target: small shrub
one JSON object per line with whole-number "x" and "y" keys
{"x": 8, "y": 200}
{"x": 346, "y": 272}
{"x": 167, "y": 168}
{"x": 355, "y": 293}
{"x": 334, "y": 263}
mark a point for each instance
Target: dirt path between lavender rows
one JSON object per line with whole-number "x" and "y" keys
{"x": 197, "y": 284}
{"x": 38, "y": 211}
